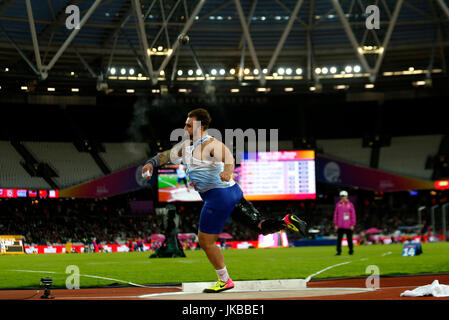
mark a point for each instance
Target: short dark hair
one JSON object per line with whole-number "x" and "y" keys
{"x": 201, "y": 115}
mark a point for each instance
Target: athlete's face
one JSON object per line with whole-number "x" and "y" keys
{"x": 193, "y": 129}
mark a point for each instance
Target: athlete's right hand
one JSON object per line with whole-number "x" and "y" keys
{"x": 147, "y": 171}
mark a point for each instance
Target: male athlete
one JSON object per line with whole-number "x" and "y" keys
{"x": 181, "y": 172}
{"x": 210, "y": 165}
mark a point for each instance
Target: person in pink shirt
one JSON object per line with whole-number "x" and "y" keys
{"x": 344, "y": 221}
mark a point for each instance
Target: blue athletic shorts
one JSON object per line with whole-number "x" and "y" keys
{"x": 182, "y": 179}
{"x": 218, "y": 206}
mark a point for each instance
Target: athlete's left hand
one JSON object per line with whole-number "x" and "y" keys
{"x": 224, "y": 176}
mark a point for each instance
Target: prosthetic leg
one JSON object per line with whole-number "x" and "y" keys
{"x": 246, "y": 214}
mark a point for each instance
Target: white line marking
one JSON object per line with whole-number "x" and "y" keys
{"x": 386, "y": 253}
{"x": 123, "y": 281}
{"x": 335, "y": 265}
{"x": 161, "y": 294}
{"x": 100, "y": 263}
{"x": 95, "y": 298}
{"x": 144, "y": 296}
{"x": 87, "y": 276}
{"x": 171, "y": 184}
{"x": 33, "y": 271}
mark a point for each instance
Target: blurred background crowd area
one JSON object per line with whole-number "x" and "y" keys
{"x": 113, "y": 220}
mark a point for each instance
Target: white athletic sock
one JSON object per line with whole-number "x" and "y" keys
{"x": 223, "y": 274}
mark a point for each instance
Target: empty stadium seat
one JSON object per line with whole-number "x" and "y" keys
{"x": 408, "y": 155}
{"x": 73, "y": 167}
{"x": 123, "y": 155}
{"x": 350, "y": 150}
{"x": 12, "y": 174}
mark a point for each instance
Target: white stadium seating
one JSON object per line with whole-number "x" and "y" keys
{"x": 346, "y": 149}
{"x": 407, "y": 155}
{"x": 12, "y": 174}
{"x": 122, "y": 155}
{"x": 72, "y": 166}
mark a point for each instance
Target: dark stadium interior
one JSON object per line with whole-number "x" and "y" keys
{"x": 295, "y": 116}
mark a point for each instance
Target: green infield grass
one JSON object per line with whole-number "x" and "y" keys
{"x": 19, "y": 271}
{"x": 167, "y": 181}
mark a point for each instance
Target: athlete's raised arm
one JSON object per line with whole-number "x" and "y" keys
{"x": 162, "y": 158}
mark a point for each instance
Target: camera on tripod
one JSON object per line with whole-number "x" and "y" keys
{"x": 47, "y": 282}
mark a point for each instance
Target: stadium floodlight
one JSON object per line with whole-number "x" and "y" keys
{"x": 325, "y": 70}
{"x": 281, "y": 71}
{"x": 235, "y": 90}
{"x": 190, "y": 72}
{"x": 333, "y": 70}
{"x": 130, "y": 91}
{"x": 113, "y": 71}
{"x": 213, "y": 72}
{"x": 123, "y": 71}
{"x": 265, "y": 71}
{"x": 160, "y": 48}
{"x": 162, "y": 73}
{"x": 289, "y": 89}
{"x": 246, "y": 71}
{"x": 369, "y": 86}
{"x": 288, "y": 71}
{"x": 419, "y": 83}
{"x": 6, "y": 69}
{"x": 131, "y": 71}
{"x": 298, "y": 71}
{"x": 256, "y": 71}
{"x": 222, "y": 72}
{"x": 179, "y": 72}
{"x": 312, "y": 88}
{"x": 72, "y": 73}
{"x": 348, "y": 69}
{"x": 317, "y": 70}
{"x": 24, "y": 88}
{"x": 357, "y": 68}
{"x": 198, "y": 72}
{"x": 75, "y": 90}
{"x": 51, "y": 89}
{"x": 232, "y": 71}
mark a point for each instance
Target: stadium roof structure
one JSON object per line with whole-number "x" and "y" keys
{"x": 156, "y": 45}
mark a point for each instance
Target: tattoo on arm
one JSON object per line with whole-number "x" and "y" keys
{"x": 164, "y": 157}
